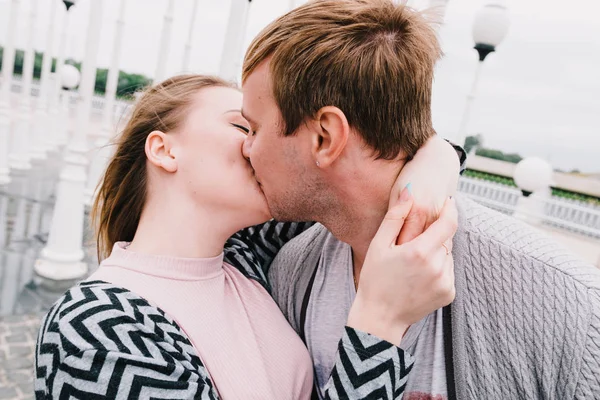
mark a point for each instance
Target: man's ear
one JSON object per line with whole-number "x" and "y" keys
{"x": 331, "y": 135}
{"x": 158, "y": 151}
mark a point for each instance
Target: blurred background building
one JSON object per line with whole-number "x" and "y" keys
{"x": 516, "y": 85}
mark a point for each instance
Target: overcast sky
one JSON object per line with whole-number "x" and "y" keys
{"x": 538, "y": 95}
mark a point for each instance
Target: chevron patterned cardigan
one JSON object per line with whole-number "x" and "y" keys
{"x": 100, "y": 341}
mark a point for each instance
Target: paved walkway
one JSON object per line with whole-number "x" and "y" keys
{"x": 17, "y": 345}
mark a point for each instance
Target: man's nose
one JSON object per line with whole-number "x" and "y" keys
{"x": 247, "y": 147}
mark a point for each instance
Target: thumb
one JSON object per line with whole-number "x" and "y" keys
{"x": 394, "y": 219}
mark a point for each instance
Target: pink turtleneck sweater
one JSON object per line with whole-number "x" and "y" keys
{"x": 243, "y": 339}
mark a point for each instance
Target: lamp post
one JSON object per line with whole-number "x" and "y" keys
{"x": 234, "y": 40}
{"x": 62, "y": 258}
{"x": 58, "y": 116}
{"x": 490, "y": 28}
{"x": 8, "y": 61}
{"x": 187, "y": 53}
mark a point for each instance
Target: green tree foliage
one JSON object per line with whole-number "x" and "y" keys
{"x": 498, "y": 155}
{"x": 473, "y": 142}
{"x": 128, "y": 84}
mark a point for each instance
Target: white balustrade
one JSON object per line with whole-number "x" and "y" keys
{"x": 571, "y": 215}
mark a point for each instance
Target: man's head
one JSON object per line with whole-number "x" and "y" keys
{"x": 331, "y": 85}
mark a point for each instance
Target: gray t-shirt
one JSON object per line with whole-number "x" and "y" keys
{"x": 331, "y": 297}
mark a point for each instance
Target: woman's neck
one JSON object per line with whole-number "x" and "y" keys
{"x": 181, "y": 230}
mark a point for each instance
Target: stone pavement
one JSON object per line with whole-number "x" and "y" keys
{"x": 17, "y": 345}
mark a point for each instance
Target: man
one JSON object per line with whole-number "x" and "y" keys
{"x": 338, "y": 96}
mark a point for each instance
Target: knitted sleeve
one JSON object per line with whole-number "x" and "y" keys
{"x": 367, "y": 367}
{"x": 588, "y": 382}
{"x": 102, "y": 374}
{"x": 104, "y": 342}
{"x": 252, "y": 250}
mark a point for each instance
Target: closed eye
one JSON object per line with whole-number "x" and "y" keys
{"x": 242, "y": 127}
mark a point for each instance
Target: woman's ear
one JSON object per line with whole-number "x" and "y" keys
{"x": 331, "y": 135}
{"x": 158, "y": 151}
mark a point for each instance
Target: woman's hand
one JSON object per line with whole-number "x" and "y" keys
{"x": 433, "y": 173}
{"x": 401, "y": 284}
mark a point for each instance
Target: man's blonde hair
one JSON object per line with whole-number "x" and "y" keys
{"x": 373, "y": 59}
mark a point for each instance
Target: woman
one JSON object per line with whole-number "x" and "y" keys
{"x": 164, "y": 316}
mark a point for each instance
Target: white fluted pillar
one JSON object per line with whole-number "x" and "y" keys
{"x": 62, "y": 258}
{"x": 8, "y": 61}
{"x": 19, "y": 157}
{"x": 231, "y": 58}
{"x": 57, "y": 114}
{"x": 165, "y": 42}
{"x": 41, "y": 116}
{"x": 187, "y": 53}
{"x": 3, "y": 219}
{"x": 103, "y": 151}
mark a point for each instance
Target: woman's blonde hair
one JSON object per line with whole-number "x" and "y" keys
{"x": 122, "y": 191}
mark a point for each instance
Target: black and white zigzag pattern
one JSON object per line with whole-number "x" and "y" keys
{"x": 252, "y": 250}
{"x": 100, "y": 341}
{"x": 104, "y": 342}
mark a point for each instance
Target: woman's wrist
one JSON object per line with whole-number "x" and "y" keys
{"x": 376, "y": 321}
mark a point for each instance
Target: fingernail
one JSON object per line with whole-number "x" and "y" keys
{"x": 405, "y": 194}
{"x": 409, "y": 187}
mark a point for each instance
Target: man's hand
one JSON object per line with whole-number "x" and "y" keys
{"x": 401, "y": 284}
{"x": 433, "y": 174}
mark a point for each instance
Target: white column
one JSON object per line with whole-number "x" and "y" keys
{"x": 58, "y": 124}
{"x": 188, "y": 45}
{"x": 21, "y": 140}
{"x": 165, "y": 41}
{"x": 8, "y": 61}
{"x": 62, "y": 258}
{"x": 40, "y": 117}
{"x": 103, "y": 151}
{"x": 231, "y": 58}
{"x": 3, "y": 219}
{"x": 464, "y": 123}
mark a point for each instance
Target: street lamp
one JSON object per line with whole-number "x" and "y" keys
{"x": 58, "y": 134}
{"x": 489, "y": 29}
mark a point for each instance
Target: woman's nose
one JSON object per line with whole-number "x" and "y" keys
{"x": 247, "y": 147}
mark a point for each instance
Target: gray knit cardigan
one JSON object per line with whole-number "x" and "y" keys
{"x": 525, "y": 323}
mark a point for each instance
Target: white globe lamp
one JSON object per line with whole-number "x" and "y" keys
{"x": 69, "y": 76}
{"x": 532, "y": 175}
{"x": 489, "y": 30}
{"x": 490, "y": 26}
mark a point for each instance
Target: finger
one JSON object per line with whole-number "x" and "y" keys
{"x": 392, "y": 223}
{"x": 413, "y": 226}
{"x": 441, "y": 231}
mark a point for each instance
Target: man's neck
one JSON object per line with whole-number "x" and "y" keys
{"x": 361, "y": 206}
